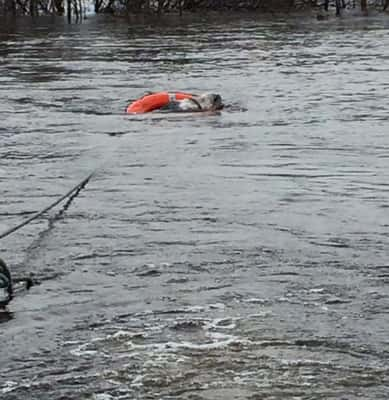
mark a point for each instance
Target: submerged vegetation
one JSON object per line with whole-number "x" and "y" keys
{"x": 77, "y": 8}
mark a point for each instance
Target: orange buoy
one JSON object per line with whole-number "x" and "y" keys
{"x": 154, "y": 101}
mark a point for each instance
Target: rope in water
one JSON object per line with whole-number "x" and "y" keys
{"x": 75, "y": 189}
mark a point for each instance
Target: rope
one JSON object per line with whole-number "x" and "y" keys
{"x": 76, "y": 189}
{"x": 197, "y": 103}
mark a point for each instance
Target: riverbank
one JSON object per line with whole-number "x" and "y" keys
{"x": 78, "y": 9}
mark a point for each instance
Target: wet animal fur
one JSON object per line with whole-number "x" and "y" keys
{"x": 203, "y": 102}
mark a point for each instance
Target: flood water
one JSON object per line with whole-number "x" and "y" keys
{"x": 235, "y": 255}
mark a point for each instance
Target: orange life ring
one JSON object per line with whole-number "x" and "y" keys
{"x": 155, "y": 101}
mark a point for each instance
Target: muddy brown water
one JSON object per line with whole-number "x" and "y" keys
{"x": 236, "y": 255}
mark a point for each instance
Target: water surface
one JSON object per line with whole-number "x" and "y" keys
{"x": 236, "y": 255}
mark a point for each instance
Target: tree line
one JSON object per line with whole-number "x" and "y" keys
{"x": 76, "y": 8}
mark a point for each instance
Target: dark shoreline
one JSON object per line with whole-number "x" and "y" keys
{"x": 75, "y": 9}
